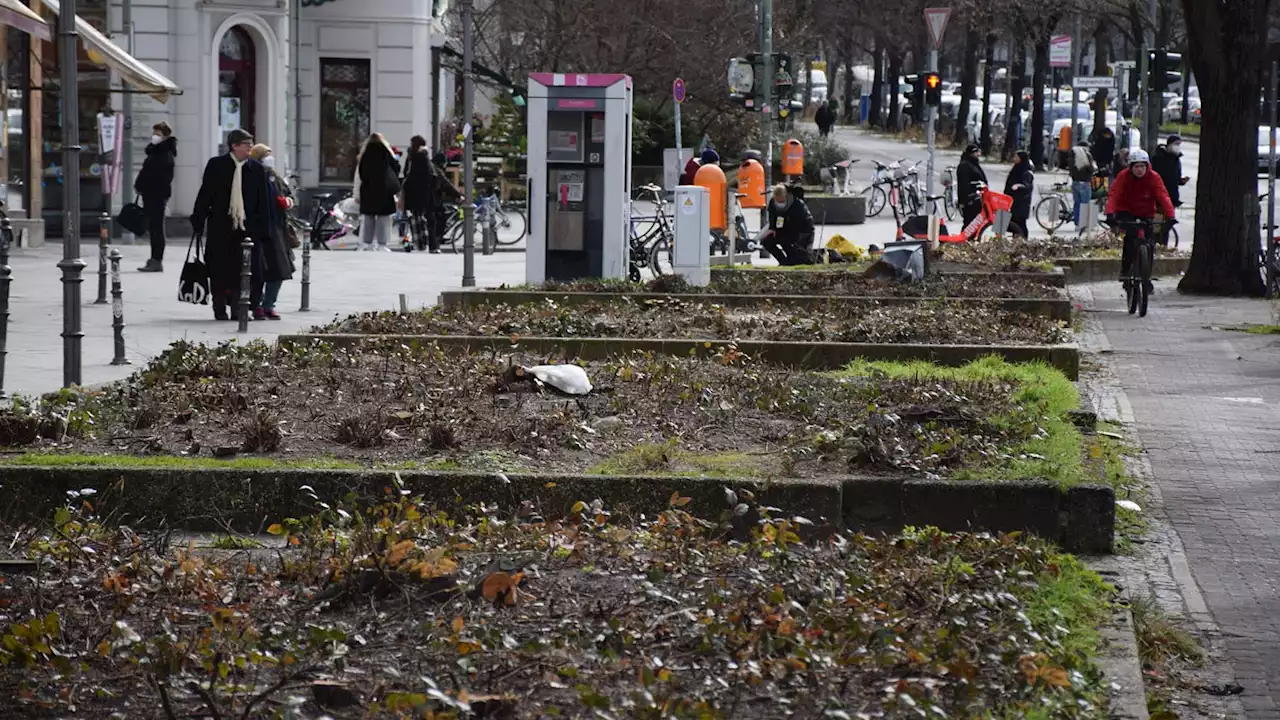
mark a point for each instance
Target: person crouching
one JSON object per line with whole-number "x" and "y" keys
{"x": 789, "y": 237}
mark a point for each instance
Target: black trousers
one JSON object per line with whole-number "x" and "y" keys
{"x": 969, "y": 212}
{"x": 788, "y": 251}
{"x": 154, "y": 207}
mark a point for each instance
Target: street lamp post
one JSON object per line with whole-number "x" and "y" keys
{"x": 72, "y": 265}
{"x": 468, "y": 171}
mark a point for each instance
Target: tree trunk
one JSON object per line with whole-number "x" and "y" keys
{"x": 1017, "y": 80}
{"x": 877, "y": 84}
{"x": 1039, "y": 67}
{"x": 847, "y": 109}
{"x": 988, "y": 78}
{"x": 895, "y": 71}
{"x": 1227, "y": 43}
{"x": 1101, "y": 66}
{"x": 968, "y": 79}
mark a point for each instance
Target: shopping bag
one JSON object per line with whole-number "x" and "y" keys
{"x": 133, "y": 218}
{"x": 193, "y": 286}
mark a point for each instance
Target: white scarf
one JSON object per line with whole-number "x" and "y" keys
{"x": 236, "y": 209}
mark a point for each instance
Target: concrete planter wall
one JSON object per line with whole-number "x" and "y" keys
{"x": 804, "y": 355}
{"x": 1082, "y": 518}
{"x": 1056, "y": 308}
{"x": 1087, "y": 270}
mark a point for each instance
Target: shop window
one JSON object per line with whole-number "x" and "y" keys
{"x": 236, "y": 82}
{"x": 345, "y": 100}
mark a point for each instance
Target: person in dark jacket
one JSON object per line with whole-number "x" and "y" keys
{"x": 1168, "y": 165}
{"x": 277, "y": 252}
{"x": 1104, "y": 148}
{"x": 1082, "y": 169}
{"x": 970, "y": 179}
{"x": 233, "y": 203}
{"x": 155, "y": 185}
{"x": 377, "y": 182}
{"x": 444, "y": 194}
{"x": 1019, "y": 185}
{"x": 790, "y": 235}
{"x": 420, "y": 193}
{"x": 825, "y": 118}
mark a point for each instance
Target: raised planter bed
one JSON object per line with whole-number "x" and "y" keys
{"x": 805, "y": 355}
{"x": 1056, "y": 308}
{"x": 1081, "y": 518}
{"x": 831, "y": 210}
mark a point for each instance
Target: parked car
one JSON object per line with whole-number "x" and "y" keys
{"x": 1173, "y": 111}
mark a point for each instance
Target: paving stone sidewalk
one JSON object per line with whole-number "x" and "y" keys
{"x": 341, "y": 283}
{"x": 1206, "y": 402}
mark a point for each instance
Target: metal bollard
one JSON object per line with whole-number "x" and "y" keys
{"x": 489, "y": 237}
{"x": 306, "y": 275}
{"x": 6, "y": 277}
{"x": 104, "y": 242}
{"x": 246, "y": 275}
{"x": 117, "y": 310}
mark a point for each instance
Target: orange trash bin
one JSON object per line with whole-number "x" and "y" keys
{"x": 751, "y": 185}
{"x": 712, "y": 178}
{"x": 793, "y": 158}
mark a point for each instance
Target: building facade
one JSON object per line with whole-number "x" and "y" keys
{"x": 311, "y": 81}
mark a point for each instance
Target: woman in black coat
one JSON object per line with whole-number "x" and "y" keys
{"x": 1019, "y": 186}
{"x": 377, "y": 182}
{"x": 277, "y": 253}
{"x": 154, "y": 185}
{"x": 420, "y": 191}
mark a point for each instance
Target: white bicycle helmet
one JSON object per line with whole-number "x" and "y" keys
{"x": 1138, "y": 155}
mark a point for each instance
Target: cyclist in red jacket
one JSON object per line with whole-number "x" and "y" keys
{"x": 1137, "y": 192}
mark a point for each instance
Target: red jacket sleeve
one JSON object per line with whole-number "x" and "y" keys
{"x": 1117, "y": 188}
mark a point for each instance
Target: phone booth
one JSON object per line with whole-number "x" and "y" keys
{"x": 579, "y": 176}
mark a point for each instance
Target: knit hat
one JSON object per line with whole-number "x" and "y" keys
{"x": 710, "y": 156}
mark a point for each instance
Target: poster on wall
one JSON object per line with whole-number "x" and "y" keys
{"x": 563, "y": 141}
{"x": 110, "y": 145}
{"x": 229, "y": 113}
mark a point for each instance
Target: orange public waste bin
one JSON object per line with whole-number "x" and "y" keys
{"x": 712, "y": 178}
{"x": 793, "y": 158}
{"x": 751, "y": 185}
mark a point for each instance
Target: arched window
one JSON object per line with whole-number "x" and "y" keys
{"x": 236, "y": 81}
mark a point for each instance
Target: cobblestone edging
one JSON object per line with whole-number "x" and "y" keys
{"x": 1081, "y": 518}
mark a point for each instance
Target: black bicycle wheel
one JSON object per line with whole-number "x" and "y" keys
{"x": 660, "y": 257}
{"x": 1173, "y": 238}
{"x": 1131, "y": 295}
{"x": 877, "y": 198}
{"x": 511, "y": 220}
{"x": 948, "y": 205}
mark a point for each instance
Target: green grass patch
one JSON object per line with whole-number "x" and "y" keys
{"x": 1160, "y": 640}
{"x": 1044, "y": 396}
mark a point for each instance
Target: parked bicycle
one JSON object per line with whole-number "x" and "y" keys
{"x": 332, "y": 220}
{"x": 979, "y": 229}
{"x": 745, "y": 241}
{"x": 651, "y": 248}
{"x": 949, "y": 201}
{"x": 1053, "y": 210}
{"x": 877, "y": 193}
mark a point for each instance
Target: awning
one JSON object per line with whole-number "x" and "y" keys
{"x": 106, "y": 53}
{"x": 14, "y": 14}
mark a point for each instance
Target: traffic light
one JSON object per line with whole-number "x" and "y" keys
{"x": 933, "y": 89}
{"x": 1165, "y": 68}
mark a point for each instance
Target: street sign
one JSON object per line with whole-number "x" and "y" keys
{"x": 1125, "y": 64}
{"x": 1097, "y": 82}
{"x": 1060, "y": 51}
{"x": 936, "y": 19}
{"x": 677, "y": 90}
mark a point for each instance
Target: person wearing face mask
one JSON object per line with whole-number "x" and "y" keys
{"x": 1168, "y": 165}
{"x": 154, "y": 185}
{"x": 277, "y": 246}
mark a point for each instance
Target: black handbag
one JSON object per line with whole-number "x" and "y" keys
{"x": 133, "y": 218}
{"x": 193, "y": 286}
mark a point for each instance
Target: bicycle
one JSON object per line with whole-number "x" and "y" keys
{"x": 977, "y": 230}
{"x": 881, "y": 177}
{"x": 481, "y": 210}
{"x": 1269, "y": 245}
{"x": 745, "y": 243}
{"x": 838, "y": 179}
{"x": 652, "y": 249}
{"x": 330, "y": 220}
{"x": 1052, "y": 212}
{"x": 949, "y": 193}
{"x": 1137, "y": 284}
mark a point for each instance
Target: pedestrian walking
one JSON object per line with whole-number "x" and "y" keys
{"x": 970, "y": 179}
{"x": 1119, "y": 163}
{"x": 278, "y": 245}
{"x": 377, "y": 182}
{"x": 1082, "y": 170}
{"x": 1104, "y": 148}
{"x": 445, "y": 194}
{"x": 1019, "y": 186}
{"x": 154, "y": 185}
{"x": 233, "y": 203}
{"x": 420, "y": 193}
{"x": 825, "y": 118}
